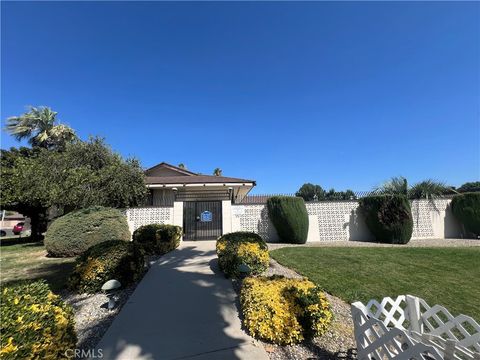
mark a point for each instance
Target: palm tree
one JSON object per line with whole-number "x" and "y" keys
{"x": 428, "y": 189}
{"x": 396, "y": 185}
{"x": 217, "y": 172}
{"x": 41, "y": 128}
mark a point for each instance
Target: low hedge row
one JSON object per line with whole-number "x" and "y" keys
{"x": 241, "y": 252}
{"x": 158, "y": 239}
{"x": 36, "y": 324}
{"x": 120, "y": 260}
{"x": 282, "y": 310}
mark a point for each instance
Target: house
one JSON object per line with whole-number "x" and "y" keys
{"x": 202, "y": 199}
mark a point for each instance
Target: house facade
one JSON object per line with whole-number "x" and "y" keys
{"x": 207, "y": 207}
{"x": 201, "y": 204}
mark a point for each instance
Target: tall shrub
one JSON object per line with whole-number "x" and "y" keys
{"x": 72, "y": 234}
{"x": 388, "y": 217}
{"x": 466, "y": 208}
{"x": 290, "y": 218}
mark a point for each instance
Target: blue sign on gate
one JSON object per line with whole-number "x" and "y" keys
{"x": 206, "y": 216}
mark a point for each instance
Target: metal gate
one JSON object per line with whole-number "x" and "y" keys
{"x": 202, "y": 220}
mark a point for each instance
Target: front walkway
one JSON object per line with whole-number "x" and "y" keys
{"x": 184, "y": 308}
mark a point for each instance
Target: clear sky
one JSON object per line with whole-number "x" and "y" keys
{"x": 341, "y": 94}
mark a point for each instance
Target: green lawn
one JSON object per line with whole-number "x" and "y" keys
{"x": 28, "y": 261}
{"x": 445, "y": 276}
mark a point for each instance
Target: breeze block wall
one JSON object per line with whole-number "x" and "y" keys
{"x": 341, "y": 221}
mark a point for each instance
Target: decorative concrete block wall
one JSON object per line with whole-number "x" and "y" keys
{"x": 328, "y": 220}
{"x": 137, "y": 217}
{"x": 341, "y": 221}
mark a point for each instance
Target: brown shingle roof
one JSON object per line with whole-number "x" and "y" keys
{"x": 194, "y": 179}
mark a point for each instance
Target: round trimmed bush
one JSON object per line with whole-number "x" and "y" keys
{"x": 282, "y": 310}
{"x": 242, "y": 249}
{"x": 72, "y": 234}
{"x": 466, "y": 208}
{"x": 388, "y": 217}
{"x": 158, "y": 239}
{"x": 290, "y": 218}
{"x": 36, "y": 324}
{"x": 119, "y": 260}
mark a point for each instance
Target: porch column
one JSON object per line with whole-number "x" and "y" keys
{"x": 226, "y": 216}
{"x": 178, "y": 214}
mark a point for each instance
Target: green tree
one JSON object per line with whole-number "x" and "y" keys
{"x": 310, "y": 192}
{"x": 470, "y": 187}
{"x": 182, "y": 166}
{"x": 84, "y": 174}
{"x": 40, "y": 126}
{"x": 217, "y": 172}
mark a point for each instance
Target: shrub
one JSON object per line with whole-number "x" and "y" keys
{"x": 282, "y": 310}
{"x": 36, "y": 324}
{"x": 290, "y": 218}
{"x": 120, "y": 260}
{"x": 72, "y": 234}
{"x": 466, "y": 208}
{"x": 158, "y": 238}
{"x": 242, "y": 248}
{"x": 388, "y": 217}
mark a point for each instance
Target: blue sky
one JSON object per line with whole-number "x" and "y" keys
{"x": 341, "y": 94}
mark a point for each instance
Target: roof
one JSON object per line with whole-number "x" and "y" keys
{"x": 171, "y": 167}
{"x": 191, "y": 178}
{"x": 195, "y": 179}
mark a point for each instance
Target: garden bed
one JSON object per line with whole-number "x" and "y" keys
{"x": 337, "y": 342}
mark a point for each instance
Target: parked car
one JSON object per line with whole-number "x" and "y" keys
{"x": 17, "y": 229}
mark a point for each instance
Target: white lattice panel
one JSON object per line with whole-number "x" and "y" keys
{"x": 137, "y": 217}
{"x": 453, "y": 337}
{"x": 333, "y": 218}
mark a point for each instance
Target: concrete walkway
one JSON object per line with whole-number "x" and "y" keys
{"x": 184, "y": 308}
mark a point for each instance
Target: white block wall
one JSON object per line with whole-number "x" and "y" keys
{"x": 341, "y": 221}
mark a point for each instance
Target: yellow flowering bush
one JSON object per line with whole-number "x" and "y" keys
{"x": 239, "y": 249}
{"x": 120, "y": 260}
{"x": 282, "y": 310}
{"x": 36, "y": 324}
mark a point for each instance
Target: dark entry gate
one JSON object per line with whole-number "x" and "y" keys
{"x": 202, "y": 220}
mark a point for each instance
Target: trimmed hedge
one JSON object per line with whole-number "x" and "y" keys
{"x": 290, "y": 218}
{"x": 72, "y": 234}
{"x": 36, "y": 324}
{"x": 242, "y": 248}
{"x": 119, "y": 260}
{"x": 284, "y": 311}
{"x": 388, "y": 217}
{"x": 158, "y": 239}
{"x": 466, "y": 208}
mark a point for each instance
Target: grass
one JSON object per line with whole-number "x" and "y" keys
{"x": 445, "y": 276}
{"x": 28, "y": 261}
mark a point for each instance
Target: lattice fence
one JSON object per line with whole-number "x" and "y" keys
{"x": 137, "y": 217}
{"x": 407, "y": 326}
